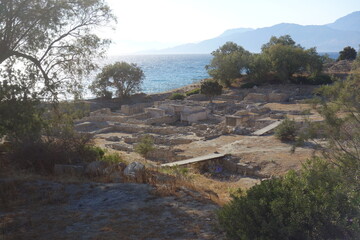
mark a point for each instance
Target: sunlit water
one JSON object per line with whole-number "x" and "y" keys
{"x": 166, "y": 72}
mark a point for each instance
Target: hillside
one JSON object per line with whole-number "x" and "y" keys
{"x": 326, "y": 38}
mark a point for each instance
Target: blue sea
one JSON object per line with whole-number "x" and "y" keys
{"x": 166, "y": 72}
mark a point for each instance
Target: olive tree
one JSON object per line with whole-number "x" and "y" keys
{"x": 122, "y": 77}
{"x": 348, "y": 53}
{"x": 48, "y": 45}
{"x": 228, "y": 63}
{"x": 287, "y": 58}
{"x": 211, "y": 89}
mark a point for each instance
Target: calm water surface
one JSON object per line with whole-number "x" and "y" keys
{"x": 166, "y": 72}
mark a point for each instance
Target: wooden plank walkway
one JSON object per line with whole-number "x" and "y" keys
{"x": 194, "y": 160}
{"x": 267, "y": 128}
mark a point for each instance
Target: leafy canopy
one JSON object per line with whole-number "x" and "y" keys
{"x": 50, "y": 43}
{"x": 228, "y": 63}
{"x": 348, "y": 53}
{"x": 123, "y": 77}
{"x": 286, "y": 58}
{"x": 211, "y": 89}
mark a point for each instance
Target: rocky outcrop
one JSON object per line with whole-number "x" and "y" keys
{"x": 96, "y": 168}
{"x": 135, "y": 171}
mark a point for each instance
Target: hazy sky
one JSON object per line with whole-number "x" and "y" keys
{"x": 156, "y": 24}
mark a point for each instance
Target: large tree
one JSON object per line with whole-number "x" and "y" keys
{"x": 123, "y": 77}
{"x": 348, "y": 53}
{"x": 228, "y": 63}
{"x": 287, "y": 58}
{"x": 49, "y": 45}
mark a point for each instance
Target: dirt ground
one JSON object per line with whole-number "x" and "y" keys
{"x": 45, "y": 209}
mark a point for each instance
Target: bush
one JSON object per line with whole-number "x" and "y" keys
{"x": 286, "y": 131}
{"x": 192, "y": 92}
{"x": 54, "y": 142}
{"x": 314, "y": 204}
{"x": 112, "y": 158}
{"x": 249, "y": 85}
{"x": 313, "y": 80}
{"x": 211, "y": 89}
{"x": 145, "y": 145}
{"x": 41, "y": 156}
{"x": 177, "y": 96}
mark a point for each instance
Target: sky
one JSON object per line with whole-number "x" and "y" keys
{"x": 157, "y": 24}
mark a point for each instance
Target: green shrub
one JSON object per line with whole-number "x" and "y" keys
{"x": 93, "y": 152}
{"x": 211, "y": 89}
{"x": 286, "y": 131}
{"x": 314, "y": 204}
{"x": 177, "y": 96}
{"x": 249, "y": 85}
{"x": 313, "y": 80}
{"x": 145, "y": 145}
{"x": 192, "y": 92}
{"x": 112, "y": 158}
{"x": 41, "y": 155}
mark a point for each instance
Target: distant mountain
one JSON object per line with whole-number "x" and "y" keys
{"x": 327, "y": 38}
{"x": 350, "y": 22}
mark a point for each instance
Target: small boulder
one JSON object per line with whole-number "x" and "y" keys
{"x": 135, "y": 171}
{"x": 113, "y": 139}
{"x": 96, "y": 168}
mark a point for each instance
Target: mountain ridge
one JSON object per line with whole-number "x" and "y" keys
{"x": 331, "y": 37}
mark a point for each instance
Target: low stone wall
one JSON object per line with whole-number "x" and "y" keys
{"x": 271, "y": 97}
{"x": 159, "y": 120}
{"x": 100, "y": 112}
{"x": 121, "y": 147}
{"x": 164, "y": 155}
{"x": 104, "y": 118}
{"x": 134, "y": 108}
{"x": 160, "y": 140}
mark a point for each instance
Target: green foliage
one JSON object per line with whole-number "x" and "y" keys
{"x": 96, "y": 153}
{"x": 21, "y": 116}
{"x": 179, "y": 172}
{"x": 112, "y": 158}
{"x": 228, "y": 63}
{"x": 249, "y": 85}
{"x": 320, "y": 79}
{"x": 348, "y": 53}
{"x": 50, "y": 46}
{"x": 280, "y": 57}
{"x": 259, "y": 68}
{"x": 286, "y": 131}
{"x": 177, "y": 96}
{"x": 312, "y": 205}
{"x": 286, "y": 58}
{"x": 145, "y": 145}
{"x": 211, "y": 89}
{"x": 123, "y": 77}
{"x": 192, "y": 92}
